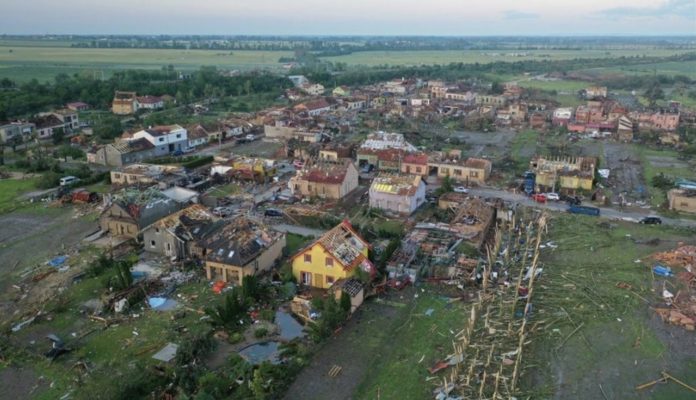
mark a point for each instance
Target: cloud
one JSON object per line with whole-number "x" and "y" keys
{"x": 680, "y": 8}
{"x": 514, "y": 14}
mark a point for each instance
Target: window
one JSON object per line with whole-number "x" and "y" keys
{"x": 178, "y": 135}
{"x": 308, "y": 258}
{"x": 329, "y": 262}
{"x": 329, "y": 280}
{"x": 473, "y": 174}
{"x": 418, "y": 169}
{"x": 157, "y": 230}
{"x": 161, "y": 139}
{"x": 306, "y": 278}
{"x": 457, "y": 172}
{"x": 152, "y": 243}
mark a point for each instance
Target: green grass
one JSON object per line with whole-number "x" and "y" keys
{"x": 397, "y": 372}
{"x": 619, "y": 344}
{"x": 657, "y": 196}
{"x": 11, "y": 189}
{"x": 24, "y": 62}
{"x": 571, "y": 87}
{"x": 687, "y": 68}
{"x": 295, "y": 242}
{"x": 424, "y": 57}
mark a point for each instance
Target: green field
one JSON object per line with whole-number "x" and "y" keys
{"x": 425, "y": 57}
{"x": 11, "y": 189}
{"x": 687, "y": 68}
{"x": 23, "y": 63}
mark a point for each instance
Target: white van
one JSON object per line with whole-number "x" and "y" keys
{"x": 68, "y": 180}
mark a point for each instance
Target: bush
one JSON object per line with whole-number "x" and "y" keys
{"x": 261, "y": 332}
{"x": 198, "y": 162}
{"x": 48, "y": 180}
{"x": 235, "y": 338}
{"x": 267, "y": 315}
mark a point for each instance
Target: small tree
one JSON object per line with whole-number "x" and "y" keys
{"x": 345, "y": 302}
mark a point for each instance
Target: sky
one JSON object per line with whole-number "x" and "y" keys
{"x": 354, "y": 17}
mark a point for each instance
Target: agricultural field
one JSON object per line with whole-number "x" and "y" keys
{"x": 426, "y": 57}
{"x": 687, "y": 68}
{"x": 24, "y": 63}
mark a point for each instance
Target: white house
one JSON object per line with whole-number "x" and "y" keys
{"x": 401, "y": 194}
{"x": 173, "y": 137}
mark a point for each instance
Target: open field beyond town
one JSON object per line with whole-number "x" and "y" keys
{"x": 25, "y": 63}
{"x": 428, "y": 57}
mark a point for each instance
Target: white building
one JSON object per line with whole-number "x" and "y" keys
{"x": 174, "y": 137}
{"x": 401, "y": 194}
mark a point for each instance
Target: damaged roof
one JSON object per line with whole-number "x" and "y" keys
{"x": 400, "y": 185}
{"x": 346, "y": 246}
{"x": 239, "y": 242}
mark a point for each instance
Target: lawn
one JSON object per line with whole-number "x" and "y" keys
{"x": 426, "y": 57}
{"x": 294, "y": 242}
{"x": 400, "y": 371}
{"x": 11, "y": 189}
{"x": 25, "y": 62}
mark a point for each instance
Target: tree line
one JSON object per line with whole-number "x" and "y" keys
{"x": 19, "y": 100}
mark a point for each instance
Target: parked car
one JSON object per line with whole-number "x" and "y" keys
{"x": 250, "y": 137}
{"x": 272, "y": 212}
{"x": 539, "y": 197}
{"x": 651, "y": 221}
{"x": 461, "y": 189}
{"x": 178, "y": 153}
{"x": 68, "y": 180}
{"x": 553, "y": 196}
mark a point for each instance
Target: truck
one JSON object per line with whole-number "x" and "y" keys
{"x": 574, "y": 209}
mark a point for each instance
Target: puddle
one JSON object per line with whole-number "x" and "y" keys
{"x": 260, "y": 352}
{"x": 288, "y": 326}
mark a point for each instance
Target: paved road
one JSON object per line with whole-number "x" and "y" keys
{"x": 609, "y": 213}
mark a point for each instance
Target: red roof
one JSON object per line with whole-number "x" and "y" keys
{"x": 416, "y": 158}
{"x": 385, "y": 154}
{"x": 323, "y": 176}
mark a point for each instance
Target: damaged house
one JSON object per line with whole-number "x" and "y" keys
{"x": 470, "y": 170}
{"x": 132, "y": 211}
{"x": 325, "y": 179}
{"x": 173, "y": 235}
{"x": 241, "y": 248}
{"x": 338, "y": 254}
{"x": 401, "y": 194}
{"x": 431, "y": 249}
{"x": 385, "y": 151}
{"x": 568, "y": 173}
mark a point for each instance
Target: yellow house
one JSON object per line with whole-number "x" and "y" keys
{"x": 335, "y": 255}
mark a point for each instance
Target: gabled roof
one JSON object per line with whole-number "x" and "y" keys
{"x": 400, "y": 185}
{"x": 416, "y": 158}
{"x": 132, "y": 146}
{"x": 325, "y": 172}
{"x": 345, "y": 245}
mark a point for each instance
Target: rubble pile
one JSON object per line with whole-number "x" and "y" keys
{"x": 681, "y": 307}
